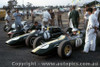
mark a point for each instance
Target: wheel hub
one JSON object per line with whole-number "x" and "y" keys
{"x": 67, "y": 50}
{"x": 31, "y": 40}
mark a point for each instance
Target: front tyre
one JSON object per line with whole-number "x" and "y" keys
{"x": 38, "y": 41}
{"x": 29, "y": 40}
{"x": 65, "y": 49}
{"x": 6, "y": 28}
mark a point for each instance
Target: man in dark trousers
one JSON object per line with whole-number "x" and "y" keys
{"x": 52, "y": 17}
{"x": 59, "y": 18}
{"x": 27, "y": 14}
{"x": 32, "y": 15}
{"x": 74, "y": 15}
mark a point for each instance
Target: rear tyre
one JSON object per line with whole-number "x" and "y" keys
{"x": 3, "y": 18}
{"x": 65, "y": 49}
{"x": 29, "y": 40}
{"x": 38, "y": 41}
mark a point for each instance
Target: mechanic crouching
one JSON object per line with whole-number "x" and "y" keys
{"x": 35, "y": 26}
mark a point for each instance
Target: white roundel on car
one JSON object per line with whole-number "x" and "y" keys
{"x": 13, "y": 25}
{"x": 46, "y": 35}
{"x": 78, "y": 42}
{"x": 44, "y": 46}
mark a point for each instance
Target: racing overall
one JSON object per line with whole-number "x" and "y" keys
{"x": 90, "y": 39}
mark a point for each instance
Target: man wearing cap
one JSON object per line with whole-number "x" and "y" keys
{"x": 46, "y": 17}
{"x": 90, "y": 39}
{"x": 18, "y": 19}
{"x": 74, "y": 16}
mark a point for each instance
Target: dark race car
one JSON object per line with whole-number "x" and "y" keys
{"x": 29, "y": 37}
{"x": 19, "y": 40}
{"x": 13, "y": 33}
{"x": 63, "y": 45}
{"x": 8, "y": 28}
{"x": 53, "y": 31}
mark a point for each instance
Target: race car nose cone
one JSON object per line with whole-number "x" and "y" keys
{"x": 32, "y": 52}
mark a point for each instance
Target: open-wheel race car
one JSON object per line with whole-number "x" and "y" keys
{"x": 8, "y": 28}
{"x": 19, "y": 40}
{"x": 29, "y": 37}
{"x": 26, "y": 27}
{"x": 63, "y": 45}
{"x": 53, "y": 31}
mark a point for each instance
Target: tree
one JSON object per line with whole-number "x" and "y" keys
{"x": 12, "y": 3}
{"x": 5, "y": 7}
{"x": 29, "y": 5}
{"x": 19, "y": 6}
{"x": 93, "y": 3}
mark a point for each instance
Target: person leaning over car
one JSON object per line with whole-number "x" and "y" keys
{"x": 35, "y": 26}
{"x": 18, "y": 18}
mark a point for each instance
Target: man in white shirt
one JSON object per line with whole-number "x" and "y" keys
{"x": 8, "y": 18}
{"x": 96, "y": 12}
{"x": 99, "y": 18}
{"x": 46, "y": 18}
{"x": 90, "y": 39}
